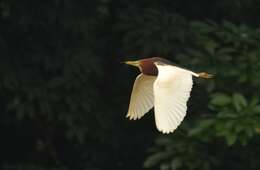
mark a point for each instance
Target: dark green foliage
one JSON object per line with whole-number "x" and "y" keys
{"x": 233, "y": 115}
{"x": 152, "y": 32}
{"x": 64, "y": 92}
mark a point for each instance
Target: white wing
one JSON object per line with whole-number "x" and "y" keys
{"x": 171, "y": 92}
{"x": 142, "y": 98}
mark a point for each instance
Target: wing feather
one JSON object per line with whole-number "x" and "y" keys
{"x": 142, "y": 98}
{"x": 171, "y": 92}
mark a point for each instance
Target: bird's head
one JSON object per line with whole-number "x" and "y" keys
{"x": 147, "y": 66}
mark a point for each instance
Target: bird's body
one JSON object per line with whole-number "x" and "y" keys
{"x": 165, "y": 87}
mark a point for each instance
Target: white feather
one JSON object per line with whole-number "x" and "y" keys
{"x": 171, "y": 92}
{"x": 142, "y": 98}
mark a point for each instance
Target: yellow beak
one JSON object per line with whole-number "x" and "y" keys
{"x": 133, "y": 63}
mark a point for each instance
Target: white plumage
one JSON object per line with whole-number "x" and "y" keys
{"x": 168, "y": 93}
{"x": 142, "y": 98}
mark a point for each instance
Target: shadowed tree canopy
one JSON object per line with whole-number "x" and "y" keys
{"x": 64, "y": 91}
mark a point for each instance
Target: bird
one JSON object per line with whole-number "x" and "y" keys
{"x": 166, "y": 87}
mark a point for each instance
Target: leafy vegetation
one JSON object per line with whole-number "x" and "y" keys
{"x": 219, "y": 133}
{"x": 64, "y": 92}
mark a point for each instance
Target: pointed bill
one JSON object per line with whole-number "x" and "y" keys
{"x": 142, "y": 98}
{"x": 171, "y": 92}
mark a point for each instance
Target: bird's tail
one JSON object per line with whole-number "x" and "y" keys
{"x": 205, "y": 75}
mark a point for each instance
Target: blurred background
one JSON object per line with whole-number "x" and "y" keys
{"x": 64, "y": 92}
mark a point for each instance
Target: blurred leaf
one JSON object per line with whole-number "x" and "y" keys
{"x": 154, "y": 159}
{"x": 220, "y": 99}
{"x": 239, "y": 101}
{"x": 231, "y": 139}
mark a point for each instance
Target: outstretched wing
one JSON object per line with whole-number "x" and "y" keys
{"x": 142, "y": 98}
{"x": 171, "y": 92}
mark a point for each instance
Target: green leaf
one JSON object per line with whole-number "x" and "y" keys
{"x": 254, "y": 101}
{"x": 227, "y": 113}
{"x": 231, "y": 139}
{"x": 202, "y": 26}
{"x": 249, "y": 131}
{"x": 203, "y": 125}
{"x": 226, "y": 50}
{"x": 239, "y": 128}
{"x": 153, "y": 160}
{"x": 239, "y": 101}
{"x": 257, "y": 109}
{"x": 211, "y": 46}
{"x": 163, "y": 141}
{"x": 220, "y": 99}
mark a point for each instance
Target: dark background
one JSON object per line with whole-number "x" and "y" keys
{"x": 64, "y": 91}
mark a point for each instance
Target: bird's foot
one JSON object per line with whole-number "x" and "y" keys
{"x": 205, "y": 75}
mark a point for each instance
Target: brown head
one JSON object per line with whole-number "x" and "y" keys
{"x": 147, "y": 66}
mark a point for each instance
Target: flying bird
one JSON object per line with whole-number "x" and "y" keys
{"x": 164, "y": 86}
